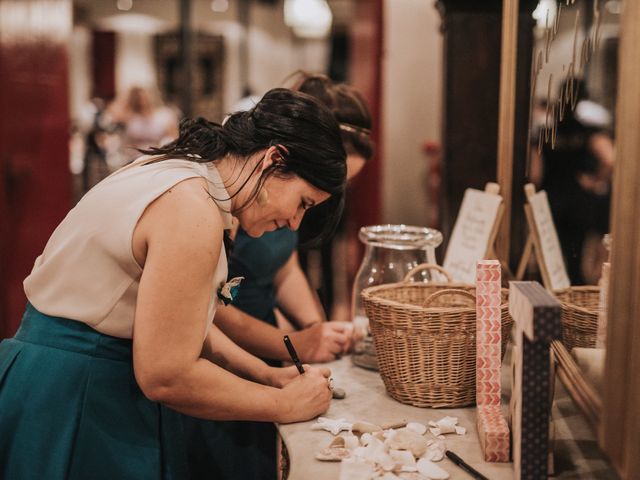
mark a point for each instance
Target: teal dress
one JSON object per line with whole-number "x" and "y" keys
{"x": 243, "y": 450}
{"x": 70, "y": 408}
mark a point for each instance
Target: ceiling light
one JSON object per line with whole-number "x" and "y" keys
{"x": 308, "y": 18}
{"x": 220, "y": 6}
{"x": 124, "y": 4}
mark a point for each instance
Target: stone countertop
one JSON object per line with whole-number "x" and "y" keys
{"x": 577, "y": 455}
{"x": 368, "y": 400}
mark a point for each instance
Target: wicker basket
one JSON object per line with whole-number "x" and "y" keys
{"x": 427, "y": 354}
{"x": 579, "y": 316}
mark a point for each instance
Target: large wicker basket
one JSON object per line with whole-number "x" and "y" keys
{"x": 427, "y": 354}
{"x": 579, "y": 316}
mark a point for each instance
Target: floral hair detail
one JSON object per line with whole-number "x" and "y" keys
{"x": 228, "y": 291}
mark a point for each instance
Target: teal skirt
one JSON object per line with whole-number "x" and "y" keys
{"x": 70, "y": 408}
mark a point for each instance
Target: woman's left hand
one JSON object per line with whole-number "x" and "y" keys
{"x": 279, "y": 377}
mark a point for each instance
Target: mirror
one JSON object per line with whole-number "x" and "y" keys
{"x": 571, "y": 154}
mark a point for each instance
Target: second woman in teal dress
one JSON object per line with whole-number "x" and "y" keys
{"x": 274, "y": 285}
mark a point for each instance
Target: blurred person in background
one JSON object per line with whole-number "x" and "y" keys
{"x": 576, "y": 174}
{"x": 144, "y": 120}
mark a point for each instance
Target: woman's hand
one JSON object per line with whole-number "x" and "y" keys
{"x": 323, "y": 342}
{"x": 306, "y": 396}
{"x": 280, "y": 377}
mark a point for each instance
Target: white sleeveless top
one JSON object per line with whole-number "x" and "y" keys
{"x": 87, "y": 271}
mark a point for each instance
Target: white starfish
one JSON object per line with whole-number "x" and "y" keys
{"x": 334, "y": 426}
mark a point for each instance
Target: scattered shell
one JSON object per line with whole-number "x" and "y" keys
{"x": 435, "y": 451}
{"x": 333, "y": 454}
{"x": 334, "y": 426}
{"x": 431, "y": 470}
{"x": 403, "y": 458}
{"x": 351, "y": 441}
{"x": 386, "y": 462}
{"x": 366, "y": 427}
{"x": 367, "y": 438}
{"x": 405, "y": 439}
{"x": 419, "y": 428}
{"x": 460, "y": 430}
{"x": 356, "y": 469}
{"x": 338, "y": 442}
{"x": 397, "y": 424}
{"x": 412, "y": 476}
{"x": 407, "y": 468}
{"x": 389, "y": 476}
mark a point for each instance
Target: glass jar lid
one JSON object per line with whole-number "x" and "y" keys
{"x": 400, "y": 237}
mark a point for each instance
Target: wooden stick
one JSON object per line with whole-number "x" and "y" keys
{"x": 506, "y": 118}
{"x": 524, "y": 260}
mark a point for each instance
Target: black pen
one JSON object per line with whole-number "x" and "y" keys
{"x": 293, "y": 354}
{"x": 463, "y": 465}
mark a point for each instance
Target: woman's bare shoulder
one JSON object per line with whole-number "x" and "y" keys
{"x": 184, "y": 216}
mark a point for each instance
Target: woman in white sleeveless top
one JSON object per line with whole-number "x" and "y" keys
{"x": 118, "y": 324}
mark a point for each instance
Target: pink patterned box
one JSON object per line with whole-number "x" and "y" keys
{"x": 492, "y": 427}
{"x": 494, "y": 433}
{"x": 488, "y": 332}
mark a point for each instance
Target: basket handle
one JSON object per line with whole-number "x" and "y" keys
{"x": 449, "y": 291}
{"x": 427, "y": 266}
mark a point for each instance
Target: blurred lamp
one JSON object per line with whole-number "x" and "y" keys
{"x": 124, "y": 4}
{"x": 545, "y": 13}
{"x": 220, "y": 6}
{"x": 308, "y": 18}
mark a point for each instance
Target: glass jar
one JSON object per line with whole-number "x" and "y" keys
{"x": 391, "y": 251}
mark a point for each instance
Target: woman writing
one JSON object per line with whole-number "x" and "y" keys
{"x": 118, "y": 325}
{"x": 275, "y": 291}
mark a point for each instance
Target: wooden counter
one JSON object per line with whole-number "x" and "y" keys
{"x": 577, "y": 455}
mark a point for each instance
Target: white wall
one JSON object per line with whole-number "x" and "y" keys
{"x": 411, "y": 106}
{"x": 80, "y": 74}
{"x": 135, "y": 64}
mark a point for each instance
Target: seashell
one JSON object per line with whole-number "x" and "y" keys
{"x": 435, "y": 451}
{"x": 419, "y": 428}
{"x": 365, "y": 427}
{"x": 412, "y": 476}
{"x": 431, "y": 470}
{"x": 407, "y": 468}
{"x": 390, "y": 476}
{"x": 351, "y": 441}
{"x": 333, "y": 454}
{"x": 397, "y": 424}
{"x": 385, "y": 461}
{"x": 403, "y": 458}
{"x": 338, "y": 442}
{"x": 356, "y": 469}
{"x": 405, "y": 439}
{"x": 331, "y": 425}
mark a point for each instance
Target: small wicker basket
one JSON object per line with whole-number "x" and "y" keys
{"x": 579, "y": 316}
{"x": 427, "y": 353}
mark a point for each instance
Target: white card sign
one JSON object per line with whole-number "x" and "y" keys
{"x": 549, "y": 243}
{"x": 471, "y": 234}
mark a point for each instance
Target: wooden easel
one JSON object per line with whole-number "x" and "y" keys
{"x": 491, "y": 253}
{"x": 534, "y": 244}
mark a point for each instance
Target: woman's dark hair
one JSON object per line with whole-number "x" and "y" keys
{"x": 304, "y": 131}
{"x": 348, "y": 107}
